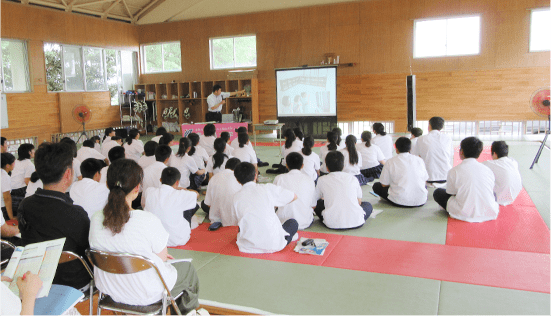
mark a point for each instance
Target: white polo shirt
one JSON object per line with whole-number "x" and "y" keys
{"x": 89, "y": 194}
{"x": 146, "y": 161}
{"x": 245, "y": 154}
{"x": 406, "y": 175}
{"x": 97, "y": 147}
{"x": 371, "y": 156}
{"x": 21, "y": 169}
{"x": 472, "y": 186}
{"x": 86, "y": 152}
{"x": 76, "y": 172}
{"x": 323, "y": 153}
{"x": 207, "y": 142}
{"x": 296, "y": 147}
{"x": 220, "y": 191}
{"x": 157, "y": 138}
{"x": 260, "y": 230}
{"x": 385, "y": 143}
{"x": 235, "y": 144}
{"x": 302, "y": 208}
{"x": 103, "y": 174}
{"x": 33, "y": 186}
{"x": 200, "y": 156}
{"x": 229, "y": 149}
{"x": 340, "y": 191}
{"x": 436, "y": 150}
{"x": 508, "y": 181}
{"x": 6, "y": 184}
{"x": 186, "y": 165}
{"x": 311, "y": 165}
{"x": 413, "y": 143}
{"x": 152, "y": 175}
{"x": 349, "y": 168}
{"x": 107, "y": 146}
{"x": 212, "y": 100}
{"x": 134, "y": 151}
{"x": 169, "y": 204}
{"x": 210, "y": 165}
{"x": 142, "y": 235}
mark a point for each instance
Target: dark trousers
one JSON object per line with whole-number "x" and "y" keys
{"x": 188, "y": 214}
{"x": 213, "y": 116}
{"x": 17, "y": 196}
{"x": 437, "y": 181}
{"x": 195, "y": 181}
{"x": 290, "y": 226}
{"x": 383, "y": 193}
{"x": 366, "y": 206}
{"x": 441, "y": 197}
{"x": 205, "y": 207}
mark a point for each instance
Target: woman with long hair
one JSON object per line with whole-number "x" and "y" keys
{"x": 292, "y": 144}
{"x": 207, "y": 139}
{"x": 109, "y": 132}
{"x": 217, "y": 162}
{"x": 331, "y": 145}
{"x": 133, "y": 146}
{"x": 383, "y": 140}
{"x": 352, "y": 160}
{"x": 191, "y": 175}
{"x": 311, "y": 159}
{"x": 244, "y": 152}
{"x": 21, "y": 174}
{"x": 373, "y": 158}
{"x": 119, "y": 228}
{"x": 340, "y": 143}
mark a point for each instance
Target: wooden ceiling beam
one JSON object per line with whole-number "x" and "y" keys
{"x": 106, "y": 12}
{"x": 91, "y": 3}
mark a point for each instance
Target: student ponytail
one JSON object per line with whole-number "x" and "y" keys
{"x": 307, "y": 143}
{"x": 243, "y": 139}
{"x": 338, "y": 131}
{"x": 185, "y": 143}
{"x": 131, "y": 136}
{"x": 124, "y": 176}
{"x": 379, "y": 129}
{"x": 351, "y": 147}
{"x": 332, "y": 139}
{"x": 108, "y": 131}
{"x": 218, "y": 157}
{"x": 366, "y": 138}
{"x": 289, "y": 138}
{"x": 194, "y": 138}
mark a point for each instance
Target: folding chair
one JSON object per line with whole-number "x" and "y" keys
{"x": 67, "y": 256}
{"x": 5, "y": 246}
{"x": 124, "y": 263}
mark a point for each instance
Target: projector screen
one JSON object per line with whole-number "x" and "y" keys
{"x": 306, "y": 92}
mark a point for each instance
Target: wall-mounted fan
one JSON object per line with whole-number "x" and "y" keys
{"x": 82, "y": 114}
{"x": 539, "y": 103}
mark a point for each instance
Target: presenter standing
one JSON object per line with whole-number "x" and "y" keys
{"x": 215, "y": 102}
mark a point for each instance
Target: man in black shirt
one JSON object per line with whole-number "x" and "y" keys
{"x": 50, "y": 213}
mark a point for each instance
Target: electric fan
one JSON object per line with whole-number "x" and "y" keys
{"x": 82, "y": 114}
{"x": 539, "y": 103}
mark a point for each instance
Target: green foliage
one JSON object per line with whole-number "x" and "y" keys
{"x": 6, "y": 65}
{"x": 54, "y": 75}
{"x": 113, "y": 75}
{"x": 172, "y": 56}
{"x": 222, "y": 53}
{"x": 168, "y": 54}
{"x": 234, "y": 52}
{"x": 93, "y": 65}
{"x": 153, "y": 58}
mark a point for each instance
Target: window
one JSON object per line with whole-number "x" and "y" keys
{"x": 446, "y": 37}
{"x": 540, "y": 30}
{"x": 162, "y": 57}
{"x": 15, "y": 69}
{"x": 76, "y": 68}
{"x": 233, "y": 52}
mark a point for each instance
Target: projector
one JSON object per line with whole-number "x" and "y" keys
{"x": 271, "y": 122}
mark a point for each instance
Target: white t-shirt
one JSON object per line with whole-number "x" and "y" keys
{"x": 229, "y": 149}
{"x": 186, "y": 165}
{"x": 207, "y": 142}
{"x": 472, "y": 186}
{"x": 302, "y": 208}
{"x": 323, "y": 153}
{"x": 385, "y": 144}
{"x": 11, "y": 303}
{"x": 152, "y": 176}
{"x": 86, "y": 152}
{"x": 142, "y": 235}
{"x": 406, "y": 175}
{"x": 436, "y": 150}
{"x": 107, "y": 146}
{"x": 210, "y": 165}
{"x": 33, "y": 186}
{"x": 169, "y": 204}
{"x": 349, "y": 168}
{"x": 89, "y": 194}
{"x": 220, "y": 191}
{"x": 21, "y": 169}
{"x": 76, "y": 173}
{"x": 340, "y": 191}
{"x": 146, "y": 161}
{"x": 296, "y": 147}
{"x": 157, "y": 138}
{"x": 6, "y": 184}
{"x": 97, "y": 147}
{"x": 508, "y": 181}
{"x": 260, "y": 230}
{"x": 200, "y": 156}
{"x": 371, "y": 156}
{"x": 134, "y": 151}
{"x": 235, "y": 144}
{"x": 311, "y": 165}
{"x": 245, "y": 154}
{"x": 413, "y": 144}
{"x": 103, "y": 174}
{"x": 212, "y": 100}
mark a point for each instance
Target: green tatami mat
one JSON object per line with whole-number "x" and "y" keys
{"x": 287, "y": 288}
{"x": 200, "y": 259}
{"x": 467, "y": 299}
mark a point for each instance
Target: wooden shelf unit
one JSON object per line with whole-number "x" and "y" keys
{"x": 164, "y": 93}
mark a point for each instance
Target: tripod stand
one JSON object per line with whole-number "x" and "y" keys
{"x": 86, "y": 136}
{"x": 543, "y": 143}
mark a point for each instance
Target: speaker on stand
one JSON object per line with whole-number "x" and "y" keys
{"x": 411, "y": 99}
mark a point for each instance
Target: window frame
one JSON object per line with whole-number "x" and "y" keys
{"x": 27, "y": 68}
{"x": 233, "y": 38}
{"x": 530, "y": 30}
{"x": 144, "y": 56}
{"x": 479, "y": 16}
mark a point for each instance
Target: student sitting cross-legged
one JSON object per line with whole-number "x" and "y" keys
{"x": 303, "y": 186}
{"x": 219, "y": 198}
{"x": 339, "y": 196}
{"x": 88, "y": 192}
{"x": 402, "y": 180}
{"x": 191, "y": 175}
{"x": 260, "y": 230}
{"x": 149, "y": 154}
{"x": 505, "y": 169}
{"x": 152, "y": 174}
{"x": 469, "y": 194}
{"x": 173, "y": 205}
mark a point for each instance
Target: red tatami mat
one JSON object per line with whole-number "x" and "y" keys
{"x": 488, "y": 267}
{"x": 204, "y": 240}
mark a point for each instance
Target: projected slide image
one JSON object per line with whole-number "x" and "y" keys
{"x": 306, "y": 92}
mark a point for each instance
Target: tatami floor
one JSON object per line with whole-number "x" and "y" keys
{"x": 295, "y": 288}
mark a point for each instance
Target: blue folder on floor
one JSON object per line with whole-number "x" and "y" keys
{"x": 59, "y": 300}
